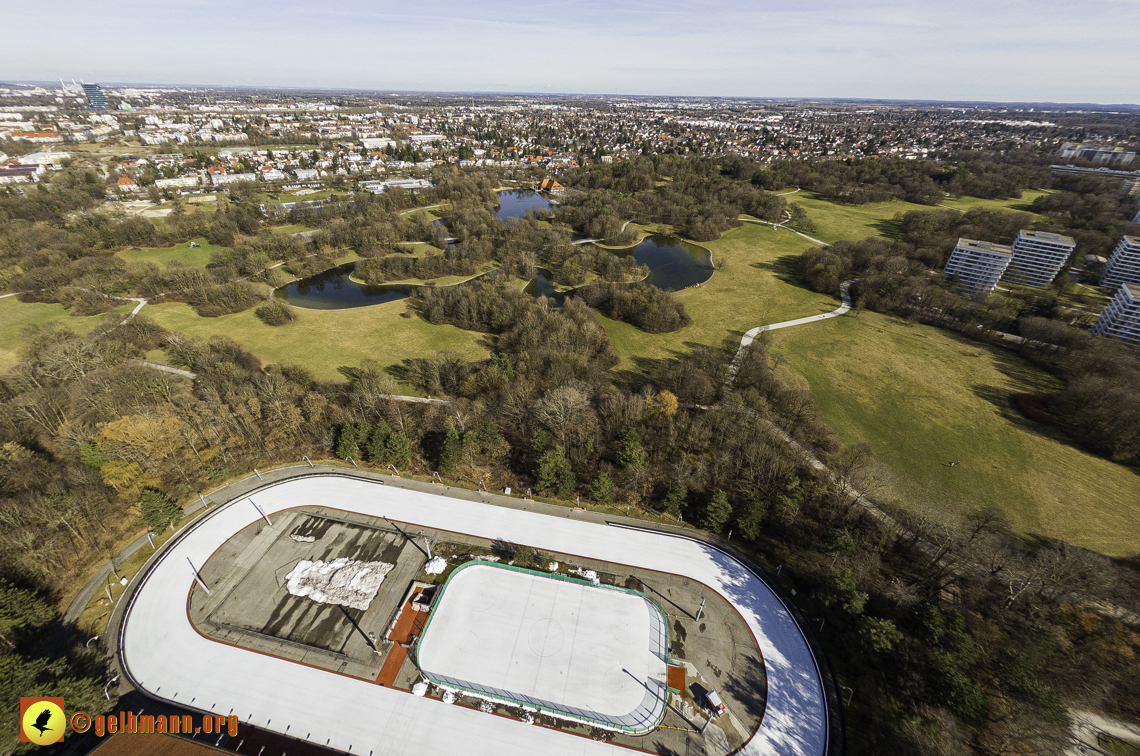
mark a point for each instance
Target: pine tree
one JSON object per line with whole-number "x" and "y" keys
{"x": 377, "y": 440}
{"x": 631, "y": 455}
{"x": 449, "y": 453}
{"x": 346, "y": 445}
{"x": 554, "y": 474}
{"x": 397, "y": 449}
{"x": 602, "y": 489}
{"x": 717, "y": 513}
{"x": 157, "y": 510}
{"x": 676, "y": 499}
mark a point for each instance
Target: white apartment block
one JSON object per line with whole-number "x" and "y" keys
{"x": 1122, "y": 316}
{"x": 180, "y": 181}
{"x": 1037, "y": 258}
{"x": 978, "y": 265}
{"x": 1124, "y": 264}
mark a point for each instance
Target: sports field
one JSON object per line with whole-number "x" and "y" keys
{"x": 923, "y": 397}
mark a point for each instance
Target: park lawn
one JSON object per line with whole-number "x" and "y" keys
{"x": 15, "y": 316}
{"x": 757, "y": 285}
{"x": 923, "y": 397}
{"x": 448, "y": 280}
{"x": 835, "y": 221}
{"x": 293, "y": 229}
{"x": 1018, "y": 204}
{"x": 198, "y": 256}
{"x": 323, "y": 340}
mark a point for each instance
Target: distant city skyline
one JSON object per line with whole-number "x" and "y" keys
{"x": 1016, "y": 51}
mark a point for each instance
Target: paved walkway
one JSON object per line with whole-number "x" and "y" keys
{"x": 1087, "y": 725}
{"x": 750, "y": 335}
{"x": 163, "y": 654}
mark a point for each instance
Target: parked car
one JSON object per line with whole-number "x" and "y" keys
{"x": 715, "y": 703}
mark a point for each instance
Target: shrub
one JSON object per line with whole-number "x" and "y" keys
{"x": 274, "y": 313}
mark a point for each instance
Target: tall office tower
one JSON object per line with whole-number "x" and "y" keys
{"x": 96, "y": 100}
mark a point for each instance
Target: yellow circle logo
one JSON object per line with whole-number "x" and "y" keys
{"x": 44, "y": 723}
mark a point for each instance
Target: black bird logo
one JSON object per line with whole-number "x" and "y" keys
{"x": 42, "y": 720}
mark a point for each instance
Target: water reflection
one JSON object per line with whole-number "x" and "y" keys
{"x": 334, "y": 290}
{"x": 516, "y": 203}
{"x": 673, "y": 264}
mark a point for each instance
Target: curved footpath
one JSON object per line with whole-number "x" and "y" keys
{"x": 750, "y": 335}
{"x": 164, "y": 656}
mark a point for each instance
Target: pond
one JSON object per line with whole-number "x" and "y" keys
{"x": 334, "y": 290}
{"x": 542, "y": 286}
{"x": 515, "y": 204}
{"x": 673, "y": 264}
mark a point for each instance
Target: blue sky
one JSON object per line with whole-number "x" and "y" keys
{"x": 1002, "y": 50}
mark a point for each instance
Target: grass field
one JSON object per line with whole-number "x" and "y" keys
{"x": 15, "y": 316}
{"x": 294, "y": 229}
{"x": 923, "y": 397}
{"x": 198, "y": 256}
{"x": 757, "y": 285}
{"x": 323, "y": 340}
{"x": 1016, "y": 204}
{"x": 835, "y": 221}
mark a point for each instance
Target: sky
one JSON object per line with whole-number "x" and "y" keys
{"x": 988, "y": 50}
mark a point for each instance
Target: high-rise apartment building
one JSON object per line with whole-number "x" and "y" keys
{"x": 1037, "y": 258}
{"x": 1124, "y": 265}
{"x": 96, "y": 100}
{"x": 978, "y": 265}
{"x": 1122, "y": 316}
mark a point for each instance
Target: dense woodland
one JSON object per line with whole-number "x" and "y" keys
{"x": 958, "y": 636}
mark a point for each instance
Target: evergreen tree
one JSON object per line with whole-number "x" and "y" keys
{"x": 553, "y": 473}
{"x": 630, "y": 454}
{"x": 21, "y": 611}
{"x": 602, "y": 489}
{"x": 717, "y": 512}
{"x": 347, "y": 445}
{"x": 449, "y": 453}
{"x": 377, "y": 440}
{"x": 750, "y": 520}
{"x": 397, "y": 449}
{"x": 676, "y": 498}
{"x": 158, "y": 511}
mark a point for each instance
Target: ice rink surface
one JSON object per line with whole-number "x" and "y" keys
{"x": 585, "y": 650}
{"x": 163, "y": 653}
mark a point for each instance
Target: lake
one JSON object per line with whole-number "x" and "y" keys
{"x": 515, "y": 204}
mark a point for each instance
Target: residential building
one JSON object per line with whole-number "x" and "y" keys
{"x": 1122, "y": 316}
{"x": 127, "y": 184}
{"x": 272, "y": 175}
{"x": 978, "y": 265}
{"x": 180, "y": 181}
{"x": 1037, "y": 258}
{"x": 219, "y": 179}
{"x": 16, "y": 174}
{"x": 306, "y": 174}
{"x": 1124, "y": 264}
{"x": 96, "y": 100}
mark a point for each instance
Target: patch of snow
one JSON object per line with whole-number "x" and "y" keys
{"x": 527, "y": 719}
{"x": 487, "y": 558}
{"x": 436, "y": 566}
{"x": 552, "y": 567}
{"x": 303, "y": 539}
{"x": 449, "y": 696}
{"x": 486, "y": 706}
{"x": 342, "y": 581}
{"x": 590, "y": 575}
{"x": 420, "y": 689}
